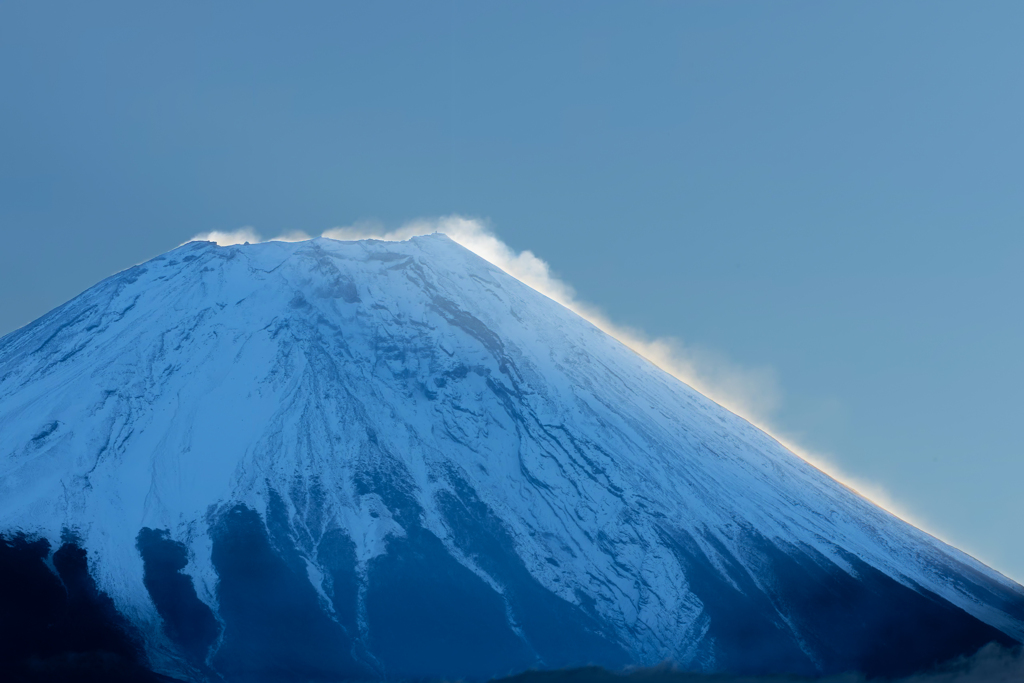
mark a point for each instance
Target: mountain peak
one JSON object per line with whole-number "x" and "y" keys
{"x": 443, "y": 473}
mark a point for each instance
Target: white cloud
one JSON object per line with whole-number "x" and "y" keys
{"x": 752, "y": 393}
{"x": 247, "y": 235}
{"x": 226, "y": 239}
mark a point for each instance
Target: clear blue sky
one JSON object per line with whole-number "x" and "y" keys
{"x": 834, "y": 191}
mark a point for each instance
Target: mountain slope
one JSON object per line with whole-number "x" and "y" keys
{"x": 366, "y": 459}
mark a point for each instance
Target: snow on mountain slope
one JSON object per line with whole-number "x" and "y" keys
{"x": 403, "y": 440}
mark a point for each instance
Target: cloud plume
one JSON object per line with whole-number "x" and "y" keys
{"x": 246, "y": 235}
{"x": 752, "y": 393}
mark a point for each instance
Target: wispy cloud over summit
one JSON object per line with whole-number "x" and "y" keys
{"x": 247, "y": 235}
{"x": 753, "y": 393}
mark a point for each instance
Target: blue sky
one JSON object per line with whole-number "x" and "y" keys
{"x": 824, "y": 198}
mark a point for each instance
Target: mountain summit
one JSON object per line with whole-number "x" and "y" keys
{"x": 333, "y": 460}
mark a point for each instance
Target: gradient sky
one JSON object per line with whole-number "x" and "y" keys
{"x": 825, "y": 197}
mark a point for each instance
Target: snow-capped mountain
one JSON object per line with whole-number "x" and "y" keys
{"x": 326, "y": 460}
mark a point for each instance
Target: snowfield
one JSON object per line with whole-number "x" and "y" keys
{"x": 414, "y": 406}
